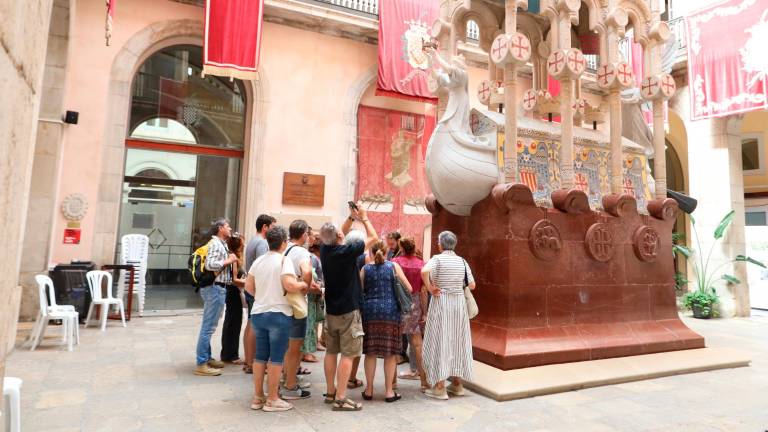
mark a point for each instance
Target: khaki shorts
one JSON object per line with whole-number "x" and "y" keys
{"x": 344, "y": 334}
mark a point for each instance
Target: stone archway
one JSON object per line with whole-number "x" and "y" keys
{"x": 351, "y": 104}
{"x": 135, "y": 51}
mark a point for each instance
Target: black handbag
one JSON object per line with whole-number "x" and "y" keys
{"x": 404, "y": 300}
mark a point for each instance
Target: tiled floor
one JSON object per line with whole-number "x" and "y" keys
{"x": 140, "y": 379}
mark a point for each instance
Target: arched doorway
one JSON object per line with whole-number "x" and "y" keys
{"x": 183, "y": 163}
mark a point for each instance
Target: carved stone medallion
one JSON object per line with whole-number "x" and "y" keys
{"x": 545, "y": 240}
{"x": 647, "y": 243}
{"x": 599, "y": 242}
{"x": 74, "y": 207}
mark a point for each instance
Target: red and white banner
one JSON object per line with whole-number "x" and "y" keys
{"x": 232, "y": 38}
{"x": 403, "y": 65}
{"x": 391, "y": 180}
{"x": 727, "y": 61}
{"x": 110, "y": 17}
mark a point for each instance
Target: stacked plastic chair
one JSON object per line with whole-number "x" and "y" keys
{"x": 51, "y": 311}
{"x": 134, "y": 250}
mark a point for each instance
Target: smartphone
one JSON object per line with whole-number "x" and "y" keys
{"x": 352, "y": 205}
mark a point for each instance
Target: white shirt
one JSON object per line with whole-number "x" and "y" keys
{"x": 298, "y": 255}
{"x": 268, "y": 294}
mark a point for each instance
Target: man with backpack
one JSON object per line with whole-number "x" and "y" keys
{"x": 212, "y": 283}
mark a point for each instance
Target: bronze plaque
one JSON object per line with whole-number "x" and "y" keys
{"x": 303, "y": 189}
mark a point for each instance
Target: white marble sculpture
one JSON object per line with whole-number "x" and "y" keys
{"x": 461, "y": 168}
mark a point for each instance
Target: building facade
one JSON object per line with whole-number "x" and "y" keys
{"x": 160, "y": 149}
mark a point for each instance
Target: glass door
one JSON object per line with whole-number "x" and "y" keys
{"x": 172, "y": 198}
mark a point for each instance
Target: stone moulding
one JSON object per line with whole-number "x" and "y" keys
{"x": 550, "y": 292}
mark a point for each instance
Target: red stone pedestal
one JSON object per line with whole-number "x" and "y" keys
{"x": 568, "y": 284}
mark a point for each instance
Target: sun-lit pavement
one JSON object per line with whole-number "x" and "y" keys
{"x": 140, "y": 379}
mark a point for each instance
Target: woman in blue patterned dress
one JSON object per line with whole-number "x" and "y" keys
{"x": 381, "y": 319}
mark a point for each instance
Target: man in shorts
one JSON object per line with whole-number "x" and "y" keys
{"x": 343, "y": 327}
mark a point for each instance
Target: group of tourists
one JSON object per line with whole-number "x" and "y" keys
{"x": 370, "y": 296}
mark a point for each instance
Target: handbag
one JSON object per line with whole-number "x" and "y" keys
{"x": 472, "y": 309}
{"x": 404, "y": 299}
{"x": 297, "y": 300}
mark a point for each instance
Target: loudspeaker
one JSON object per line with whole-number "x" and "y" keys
{"x": 71, "y": 117}
{"x": 686, "y": 203}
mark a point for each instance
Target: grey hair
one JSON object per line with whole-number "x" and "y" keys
{"x": 447, "y": 240}
{"x": 216, "y": 224}
{"x": 329, "y": 233}
{"x": 354, "y": 236}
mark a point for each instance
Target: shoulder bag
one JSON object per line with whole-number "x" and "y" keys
{"x": 404, "y": 300}
{"x": 472, "y": 309}
{"x": 297, "y": 300}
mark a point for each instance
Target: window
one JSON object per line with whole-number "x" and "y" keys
{"x": 752, "y": 155}
{"x": 755, "y": 218}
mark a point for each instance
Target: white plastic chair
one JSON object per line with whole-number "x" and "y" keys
{"x": 95, "y": 279}
{"x": 12, "y": 390}
{"x": 134, "y": 250}
{"x": 66, "y": 313}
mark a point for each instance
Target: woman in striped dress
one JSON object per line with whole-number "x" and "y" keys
{"x": 447, "y": 349}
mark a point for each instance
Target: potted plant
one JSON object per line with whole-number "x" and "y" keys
{"x": 703, "y": 299}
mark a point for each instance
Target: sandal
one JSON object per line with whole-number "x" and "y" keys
{"x": 346, "y": 405}
{"x": 237, "y": 361}
{"x": 247, "y": 369}
{"x": 303, "y": 371}
{"x": 394, "y": 398}
{"x": 410, "y": 375}
{"x": 320, "y": 347}
{"x": 309, "y": 358}
{"x": 329, "y": 398}
{"x": 354, "y": 383}
{"x": 257, "y": 403}
{"x": 366, "y": 397}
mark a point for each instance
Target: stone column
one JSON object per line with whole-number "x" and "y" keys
{"x": 510, "y": 100}
{"x": 42, "y": 206}
{"x": 23, "y": 38}
{"x": 715, "y": 180}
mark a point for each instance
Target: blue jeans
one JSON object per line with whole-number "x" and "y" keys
{"x": 271, "y": 330}
{"x": 213, "y": 306}
{"x": 298, "y": 328}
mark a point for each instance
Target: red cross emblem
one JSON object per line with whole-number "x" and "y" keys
{"x": 484, "y": 91}
{"x": 624, "y": 73}
{"x": 650, "y": 84}
{"x": 521, "y": 44}
{"x": 576, "y": 61}
{"x": 668, "y": 85}
{"x": 605, "y": 74}
{"x": 529, "y": 100}
{"x": 556, "y": 62}
{"x": 628, "y": 188}
{"x": 499, "y": 48}
{"x": 580, "y": 182}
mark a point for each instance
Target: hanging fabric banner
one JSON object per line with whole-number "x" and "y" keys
{"x": 232, "y": 38}
{"x": 391, "y": 180}
{"x": 727, "y": 71}
{"x": 403, "y": 65}
{"x": 110, "y": 16}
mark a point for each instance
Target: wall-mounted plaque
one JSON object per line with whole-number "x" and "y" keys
{"x": 303, "y": 189}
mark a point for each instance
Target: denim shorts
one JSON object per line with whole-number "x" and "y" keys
{"x": 271, "y": 330}
{"x": 249, "y": 302}
{"x": 298, "y": 328}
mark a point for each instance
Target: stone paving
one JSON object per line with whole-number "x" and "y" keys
{"x": 140, "y": 378}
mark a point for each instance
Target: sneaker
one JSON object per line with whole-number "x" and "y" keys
{"x": 277, "y": 405}
{"x": 205, "y": 370}
{"x": 295, "y": 393}
{"x": 218, "y": 364}
{"x": 436, "y": 393}
{"x": 455, "y": 390}
{"x": 303, "y": 382}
